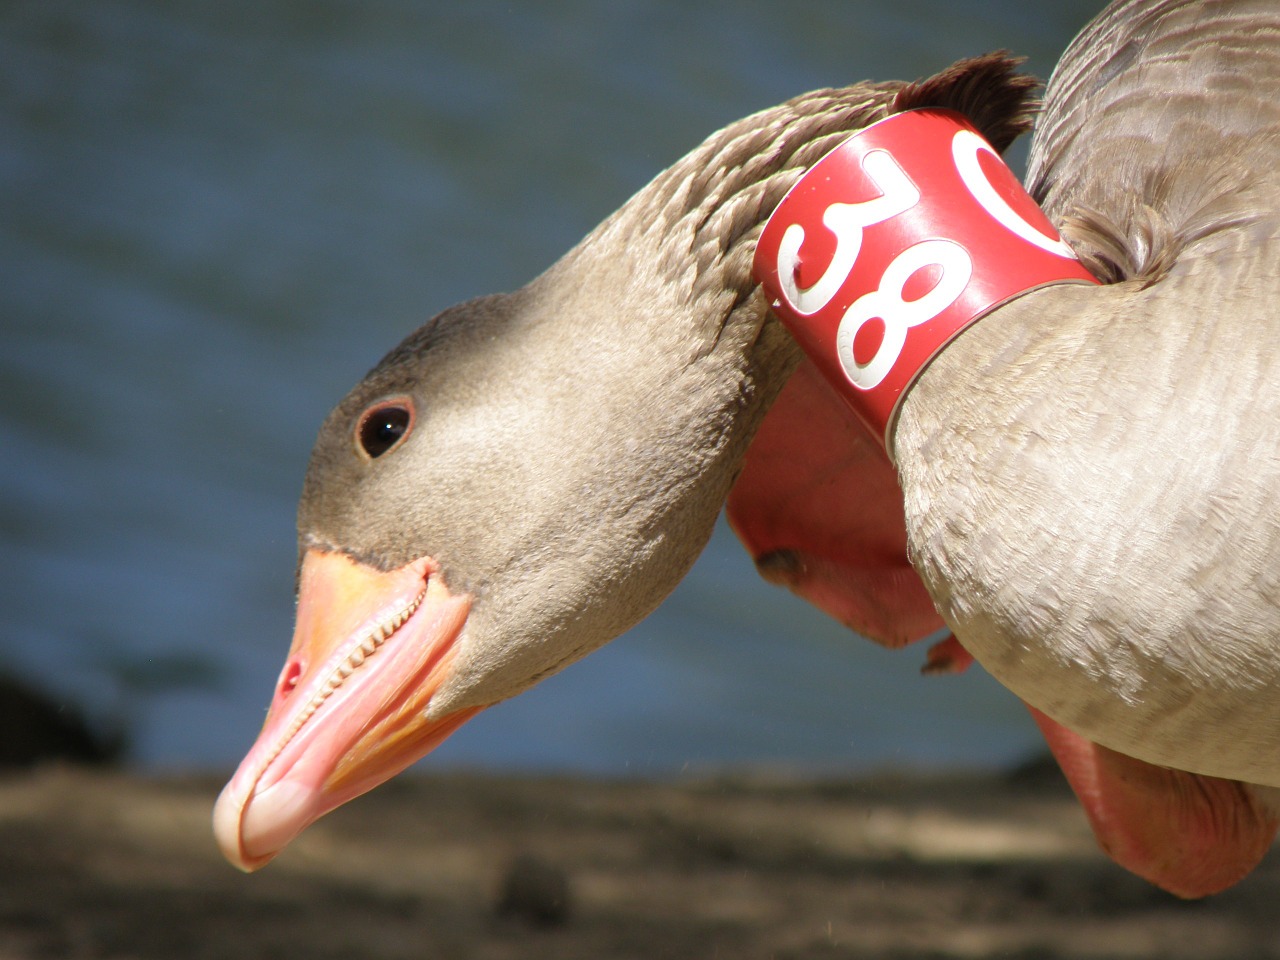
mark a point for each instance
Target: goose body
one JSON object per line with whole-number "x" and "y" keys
{"x": 1084, "y": 473}
{"x": 1090, "y": 474}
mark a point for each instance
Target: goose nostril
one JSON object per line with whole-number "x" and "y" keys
{"x": 289, "y": 679}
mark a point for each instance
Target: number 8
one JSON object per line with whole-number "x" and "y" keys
{"x": 899, "y": 315}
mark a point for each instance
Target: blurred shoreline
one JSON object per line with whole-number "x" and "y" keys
{"x": 463, "y": 865}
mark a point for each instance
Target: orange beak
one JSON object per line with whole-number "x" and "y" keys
{"x": 370, "y": 649}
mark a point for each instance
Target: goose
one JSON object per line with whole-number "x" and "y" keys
{"x": 529, "y": 474}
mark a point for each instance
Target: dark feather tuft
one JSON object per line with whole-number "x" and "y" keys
{"x": 988, "y": 90}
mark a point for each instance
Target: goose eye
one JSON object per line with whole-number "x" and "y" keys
{"x": 384, "y": 427}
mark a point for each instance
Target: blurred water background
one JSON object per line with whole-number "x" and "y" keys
{"x": 214, "y": 217}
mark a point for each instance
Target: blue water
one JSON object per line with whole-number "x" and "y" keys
{"x": 215, "y": 217}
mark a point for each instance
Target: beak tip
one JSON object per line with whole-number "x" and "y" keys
{"x": 251, "y": 830}
{"x": 228, "y": 829}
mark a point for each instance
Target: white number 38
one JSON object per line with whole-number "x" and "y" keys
{"x": 847, "y": 221}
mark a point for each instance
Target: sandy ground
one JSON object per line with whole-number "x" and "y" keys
{"x": 462, "y": 866}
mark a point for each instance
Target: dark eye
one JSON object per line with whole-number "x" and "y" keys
{"x": 384, "y": 426}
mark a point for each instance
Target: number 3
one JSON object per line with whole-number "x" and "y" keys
{"x": 846, "y": 220}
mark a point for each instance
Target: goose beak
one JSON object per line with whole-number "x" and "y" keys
{"x": 370, "y": 649}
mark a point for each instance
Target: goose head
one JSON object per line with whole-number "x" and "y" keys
{"x": 530, "y": 474}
